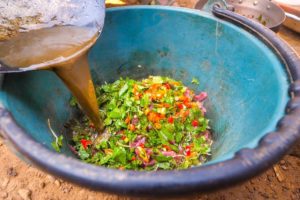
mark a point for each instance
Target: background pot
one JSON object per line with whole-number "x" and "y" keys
{"x": 263, "y": 11}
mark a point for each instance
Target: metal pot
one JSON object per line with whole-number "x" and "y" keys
{"x": 262, "y": 11}
{"x": 292, "y": 9}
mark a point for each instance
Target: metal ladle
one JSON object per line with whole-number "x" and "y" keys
{"x": 26, "y": 24}
{"x": 56, "y": 35}
{"x": 263, "y": 11}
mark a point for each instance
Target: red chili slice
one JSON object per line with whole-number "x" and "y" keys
{"x": 180, "y": 106}
{"x": 91, "y": 125}
{"x": 167, "y": 85}
{"x": 85, "y": 143}
{"x": 188, "y": 150}
{"x": 170, "y": 120}
{"x": 195, "y": 123}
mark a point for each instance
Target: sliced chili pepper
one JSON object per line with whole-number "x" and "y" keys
{"x": 141, "y": 152}
{"x": 155, "y": 117}
{"x": 157, "y": 125}
{"x": 108, "y": 151}
{"x": 167, "y": 85}
{"x": 166, "y": 105}
{"x": 147, "y": 111}
{"x": 161, "y": 116}
{"x": 188, "y": 150}
{"x": 142, "y": 145}
{"x": 176, "y": 83}
{"x": 187, "y": 103}
{"x": 85, "y": 143}
{"x": 159, "y": 95}
{"x": 135, "y": 88}
{"x": 180, "y": 106}
{"x": 151, "y": 116}
{"x": 195, "y": 123}
{"x": 183, "y": 98}
{"x": 91, "y": 125}
{"x": 168, "y": 148}
{"x": 171, "y": 120}
{"x": 131, "y": 127}
{"x": 127, "y": 120}
{"x": 186, "y": 113}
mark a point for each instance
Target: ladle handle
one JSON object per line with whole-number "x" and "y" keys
{"x": 288, "y": 56}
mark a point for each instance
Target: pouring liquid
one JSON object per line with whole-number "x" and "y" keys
{"x": 62, "y": 49}
{"x": 77, "y": 78}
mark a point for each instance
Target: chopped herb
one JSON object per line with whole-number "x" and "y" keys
{"x": 57, "y": 144}
{"x": 58, "y": 141}
{"x": 73, "y": 102}
{"x": 153, "y": 124}
{"x": 261, "y": 20}
{"x": 195, "y": 81}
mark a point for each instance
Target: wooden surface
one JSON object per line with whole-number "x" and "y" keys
{"x": 292, "y": 38}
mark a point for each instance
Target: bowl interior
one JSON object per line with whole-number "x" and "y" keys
{"x": 246, "y": 82}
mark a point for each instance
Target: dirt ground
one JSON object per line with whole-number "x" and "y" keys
{"x": 20, "y": 181}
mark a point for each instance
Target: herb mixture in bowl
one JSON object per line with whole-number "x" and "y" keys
{"x": 152, "y": 124}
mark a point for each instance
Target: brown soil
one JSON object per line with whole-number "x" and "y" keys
{"x": 20, "y": 181}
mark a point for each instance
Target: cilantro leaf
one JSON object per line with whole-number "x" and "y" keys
{"x": 123, "y": 89}
{"x": 57, "y": 144}
{"x": 115, "y": 114}
{"x": 195, "y": 81}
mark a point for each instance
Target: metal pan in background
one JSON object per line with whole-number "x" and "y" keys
{"x": 292, "y": 11}
{"x": 262, "y": 11}
{"x": 292, "y": 22}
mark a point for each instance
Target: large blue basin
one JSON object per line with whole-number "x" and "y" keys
{"x": 246, "y": 78}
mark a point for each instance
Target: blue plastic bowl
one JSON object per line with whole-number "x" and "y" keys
{"x": 245, "y": 75}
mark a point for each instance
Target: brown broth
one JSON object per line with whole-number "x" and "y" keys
{"x": 76, "y": 76}
{"x": 62, "y": 49}
{"x": 45, "y": 48}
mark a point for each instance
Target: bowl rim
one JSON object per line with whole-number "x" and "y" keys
{"x": 245, "y": 164}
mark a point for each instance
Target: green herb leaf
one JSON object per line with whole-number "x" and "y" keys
{"x": 120, "y": 155}
{"x": 105, "y": 159}
{"x": 57, "y": 144}
{"x": 115, "y": 114}
{"x": 195, "y": 81}
{"x": 73, "y": 102}
{"x": 162, "y": 158}
{"x": 123, "y": 89}
{"x": 164, "y": 165}
{"x": 107, "y": 121}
